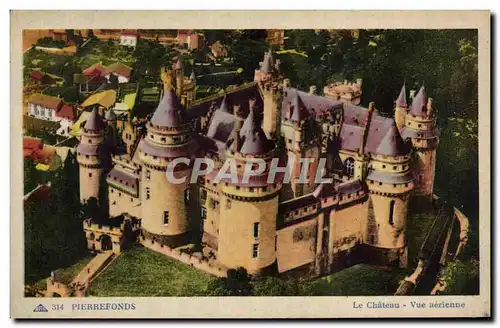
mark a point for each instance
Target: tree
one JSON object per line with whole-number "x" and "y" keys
{"x": 461, "y": 277}
{"x": 30, "y": 175}
{"x": 237, "y": 283}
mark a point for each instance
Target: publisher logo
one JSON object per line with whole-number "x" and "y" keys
{"x": 40, "y": 308}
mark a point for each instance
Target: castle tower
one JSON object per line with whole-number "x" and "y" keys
{"x": 248, "y": 210}
{"x": 112, "y": 132}
{"x": 178, "y": 70}
{"x": 390, "y": 182}
{"x": 92, "y": 156}
{"x": 271, "y": 86}
{"x": 361, "y": 159}
{"x": 302, "y": 141}
{"x": 400, "y": 109}
{"x": 164, "y": 201}
{"x": 421, "y": 127}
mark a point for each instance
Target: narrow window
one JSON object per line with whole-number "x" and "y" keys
{"x": 148, "y": 193}
{"x": 187, "y": 195}
{"x": 255, "y": 251}
{"x": 256, "y": 227}
{"x": 203, "y": 213}
{"x": 90, "y": 175}
{"x": 349, "y": 166}
{"x": 165, "y": 218}
{"x": 148, "y": 175}
{"x": 391, "y": 213}
{"x": 228, "y": 204}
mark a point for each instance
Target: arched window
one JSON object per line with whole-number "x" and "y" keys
{"x": 391, "y": 212}
{"x": 349, "y": 166}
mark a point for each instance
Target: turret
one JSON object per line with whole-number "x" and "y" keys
{"x": 165, "y": 202}
{"x": 178, "y": 71}
{"x": 421, "y": 128}
{"x": 400, "y": 109}
{"x": 93, "y": 157}
{"x": 390, "y": 182}
{"x": 271, "y": 86}
{"x": 249, "y": 240}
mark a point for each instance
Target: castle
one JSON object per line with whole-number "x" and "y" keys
{"x": 375, "y": 162}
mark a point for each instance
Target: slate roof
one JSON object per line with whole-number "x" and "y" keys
{"x": 392, "y": 144}
{"x": 324, "y": 190}
{"x": 349, "y": 187}
{"x": 419, "y": 104}
{"x": 110, "y": 115}
{"x": 169, "y": 112}
{"x": 123, "y": 178}
{"x": 184, "y": 150}
{"x": 297, "y": 203}
{"x": 401, "y": 101}
{"x": 389, "y": 177}
{"x": 314, "y": 104}
{"x": 94, "y": 122}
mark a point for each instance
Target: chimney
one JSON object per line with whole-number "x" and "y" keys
{"x": 429, "y": 107}
{"x": 312, "y": 90}
{"x": 359, "y": 82}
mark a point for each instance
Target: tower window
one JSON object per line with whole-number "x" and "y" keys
{"x": 187, "y": 195}
{"x": 255, "y": 251}
{"x": 148, "y": 193}
{"x": 90, "y": 175}
{"x": 165, "y": 218}
{"x": 148, "y": 175}
{"x": 391, "y": 212}
{"x": 349, "y": 166}
{"x": 228, "y": 203}
{"x": 90, "y": 141}
{"x": 203, "y": 213}
{"x": 256, "y": 228}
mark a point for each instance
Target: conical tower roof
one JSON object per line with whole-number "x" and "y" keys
{"x": 419, "y": 103}
{"x": 223, "y": 105}
{"x": 94, "y": 122}
{"x": 110, "y": 115}
{"x": 401, "y": 101}
{"x": 169, "y": 112}
{"x": 254, "y": 139}
{"x": 392, "y": 144}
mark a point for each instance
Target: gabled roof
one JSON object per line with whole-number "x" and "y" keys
{"x": 45, "y": 101}
{"x": 401, "y": 101}
{"x": 419, "y": 104}
{"x": 96, "y": 69}
{"x": 119, "y": 69}
{"x": 169, "y": 112}
{"x": 67, "y": 112}
{"x": 94, "y": 122}
{"x": 105, "y": 98}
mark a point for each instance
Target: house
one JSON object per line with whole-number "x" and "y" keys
{"x": 120, "y": 70}
{"x": 44, "y": 156}
{"x": 189, "y": 40}
{"x": 52, "y": 109}
{"x": 129, "y": 38}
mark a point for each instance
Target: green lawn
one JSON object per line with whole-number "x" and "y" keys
{"x": 359, "y": 280}
{"x": 142, "y": 272}
{"x": 66, "y": 274}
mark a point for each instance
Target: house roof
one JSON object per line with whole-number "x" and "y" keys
{"x": 67, "y": 112}
{"x": 96, "y": 69}
{"x": 119, "y": 69}
{"x": 170, "y": 112}
{"x": 45, "y": 101}
{"x": 105, "y": 98}
{"x": 32, "y": 144}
